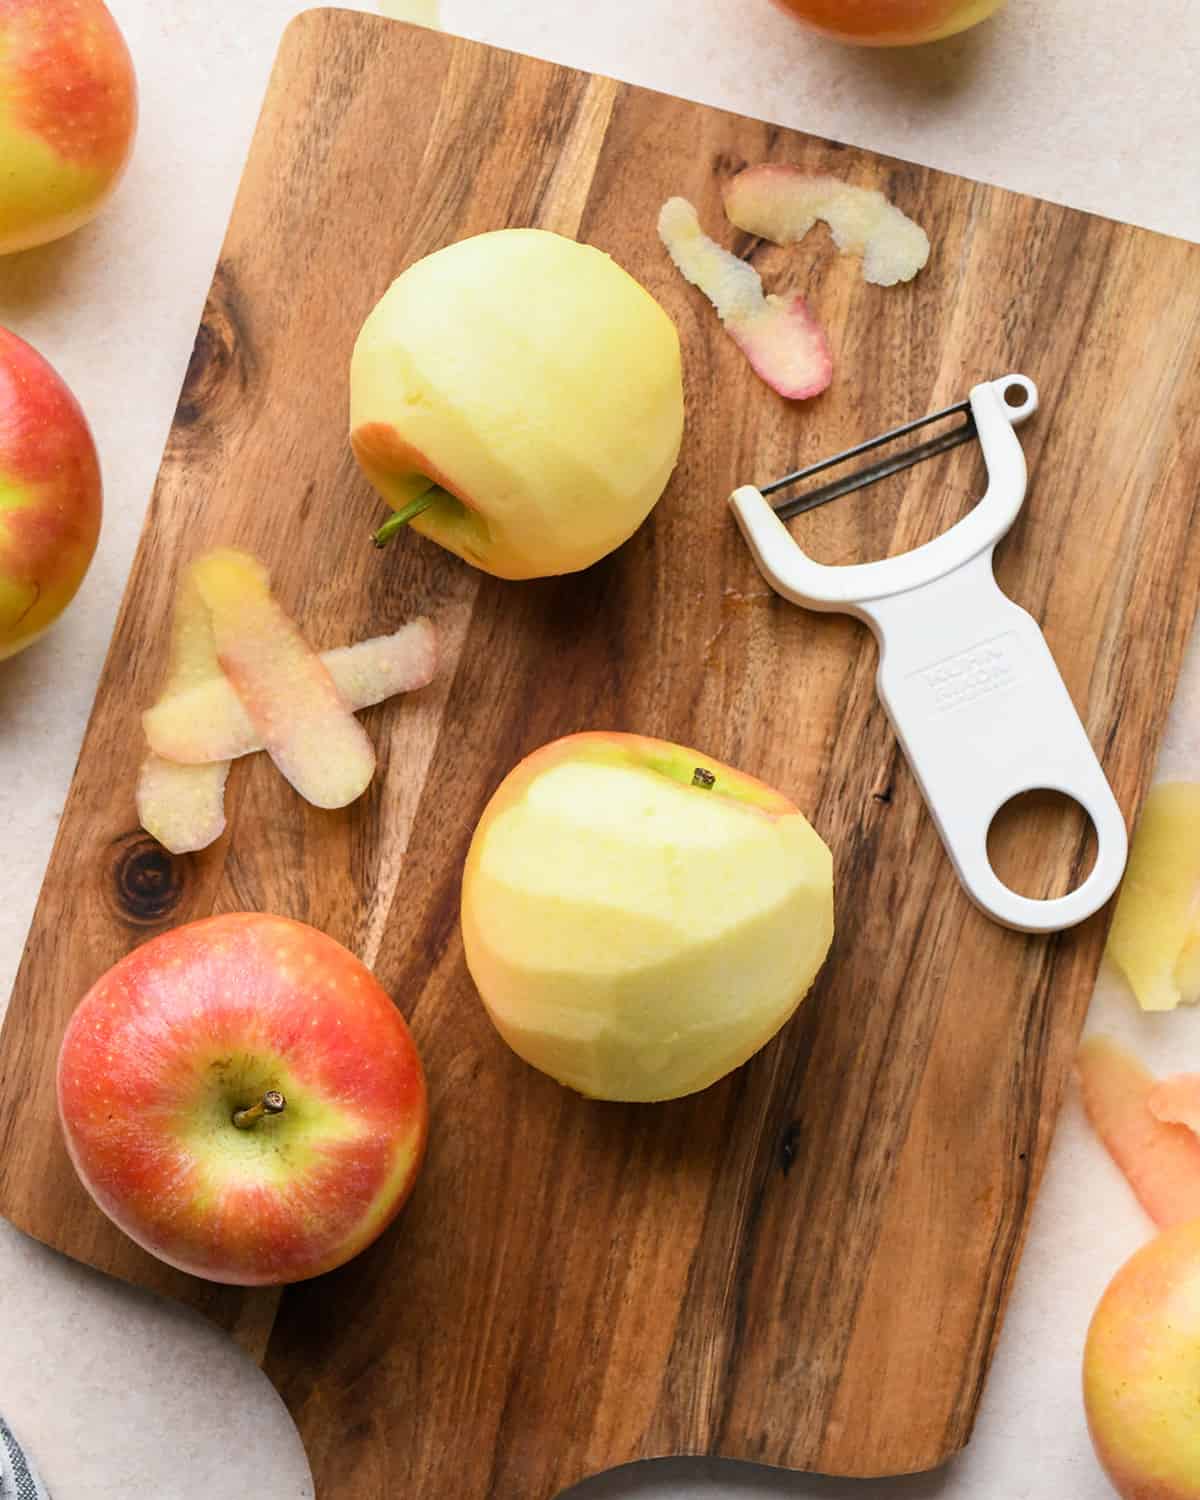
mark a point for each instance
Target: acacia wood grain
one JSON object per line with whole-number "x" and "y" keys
{"x": 808, "y": 1263}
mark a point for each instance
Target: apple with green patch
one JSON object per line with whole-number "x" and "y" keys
{"x": 243, "y": 1099}
{"x": 68, "y": 112}
{"x": 640, "y": 919}
{"x": 50, "y": 493}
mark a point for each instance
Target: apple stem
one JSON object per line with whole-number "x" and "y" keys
{"x": 706, "y": 779}
{"x": 271, "y": 1103}
{"x": 402, "y": 517}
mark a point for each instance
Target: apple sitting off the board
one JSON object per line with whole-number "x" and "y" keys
{"x": 50, "y": 494}
{"x": 640, "y": 919}
{"x": 68, "y": 110}
{"x": 1140, "y": 1375}
{"x": 517, "y": 397}
{"x": 244, "y": 1100}
{"x": 890, "y": 23}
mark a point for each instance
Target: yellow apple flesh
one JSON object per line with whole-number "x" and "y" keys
{"x": 634, "y": 935}
{"x": 531, "y": 389}
{"x": 1141, "y": 1374}
{"x": 1155, "y": 935}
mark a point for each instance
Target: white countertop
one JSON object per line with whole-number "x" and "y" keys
{"x": 1089, "y": 102}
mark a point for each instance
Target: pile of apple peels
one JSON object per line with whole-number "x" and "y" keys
{"x": 240, "y": 678}
{"x": 778, "y": 334}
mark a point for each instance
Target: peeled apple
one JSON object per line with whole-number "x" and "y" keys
{"x": 640, "y": 919}
{"x": 517, "y": 398}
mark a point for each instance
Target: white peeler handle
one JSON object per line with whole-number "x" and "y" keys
{"x": 965, "y": 674}
{"x": 982, "y": 713}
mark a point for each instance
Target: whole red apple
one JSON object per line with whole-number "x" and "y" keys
{"x": 243, "y": 1099}
{"x": 68, "y": 111}
{"x": 890, "y": 23}
{"x": 1141, "y": 1371}
{"x": 50, "y": 494}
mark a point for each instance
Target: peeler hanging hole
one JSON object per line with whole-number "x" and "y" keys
{"x": 1042, "y": 844}
{"x": 1019, "y": 396}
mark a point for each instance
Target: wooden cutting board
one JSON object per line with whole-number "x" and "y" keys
{"x": 807, "y": 1264}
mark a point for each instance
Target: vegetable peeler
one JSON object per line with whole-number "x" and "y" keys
{"x": 965, "y": 674}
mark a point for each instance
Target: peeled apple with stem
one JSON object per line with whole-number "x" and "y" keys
{"x": 517, "y": 398}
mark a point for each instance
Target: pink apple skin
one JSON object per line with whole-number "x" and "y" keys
{"x": 890, "y": 23}
{"x": 68, "y": 113}
{"x": 50, "y": 494}
{"x": 198, "y": 1024}
{"x": 1141, "y": 1371}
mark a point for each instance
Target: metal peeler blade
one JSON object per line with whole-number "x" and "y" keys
{"x": 962, "y": 432}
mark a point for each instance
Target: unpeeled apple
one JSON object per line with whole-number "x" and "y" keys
{"x": 1141, "y": 1373}
{"x": 890, "y": 23}
{"x": 518, "y": 398}
{"x": 68, "y": 111}
{"x": 640, "y": 919}
{"x": 243, "y": 1099}
{"x": 50, "y": 493}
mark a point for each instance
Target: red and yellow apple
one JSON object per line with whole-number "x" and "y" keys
{"x": 243, "y": 1099}
{"x": 517, "y": 398}
{"x": 638, "y": 918}
{"x": 890, "y": 23}
{"x": 68, "y": 111}
{"x": 50, "y": 493}
{"x": 1141, "y": 1371}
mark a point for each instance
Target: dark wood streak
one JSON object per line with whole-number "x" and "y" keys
{"x": 808, "y": 1263}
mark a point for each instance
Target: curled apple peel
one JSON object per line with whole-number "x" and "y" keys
{"x": 208, "y": 722}
{"x": 784, "y": 343}
{"x": 781, "y": 203}
{"x": 1176, "y": 1101}
{"x": 183, "y": 807}
{"x": 240, "y": 677}
{"x": 306, "y": 727}
{"x": 1126, "y": 1106}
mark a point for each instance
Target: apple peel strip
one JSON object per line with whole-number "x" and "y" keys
{"x": 209, "y": 723}
{"x": 1176, "y": 1101}
{"x": 183, "y": 807}
{"x": 287, "y": 691}
{"x": 784, "y": 343}
{"x": 1159, "y": 1157}
{"x": 781, "y": 203}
